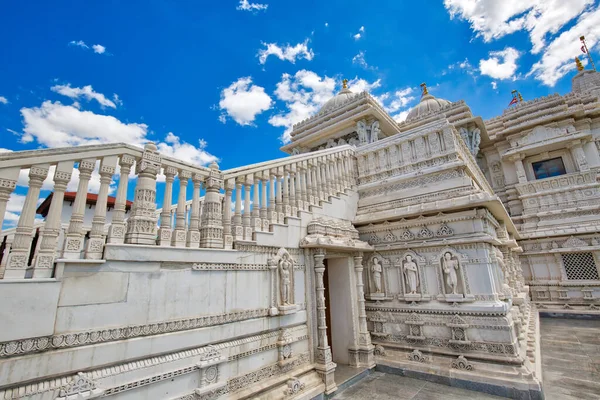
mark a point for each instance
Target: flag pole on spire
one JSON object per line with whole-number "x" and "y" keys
{"x": 517, "y": 98}
{"x": 423, "y": 89}
{"x": 584, "y": 49}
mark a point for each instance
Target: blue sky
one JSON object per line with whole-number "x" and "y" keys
{"x": 189, "y": 74}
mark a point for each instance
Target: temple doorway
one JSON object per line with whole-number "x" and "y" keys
{"x": 340, "y": 313}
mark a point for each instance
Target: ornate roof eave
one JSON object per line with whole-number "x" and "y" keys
{"x": 478, "y": 121}
{"x": 334, "y": 243}
{"x": 548, "y": 145}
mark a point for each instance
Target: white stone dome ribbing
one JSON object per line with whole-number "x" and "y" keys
{"x": 427, "y": 104}
{"x": 343, "y": 96}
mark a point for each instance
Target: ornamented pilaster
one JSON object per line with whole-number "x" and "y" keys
{"x": 211, "y": 230}
{"x": 166, "y": 223}
{"x": 272, "y": 209}
{"x": 141, "y": 225}
{"x": 303, "y": 186}
{"x": 279, "y": 200}
{"x": 293, "y": 186}
{"x": 193, "y": 234}
{"x": 116, "y": 231}
{"x": 179, "y": 236}
{"x": 264, "y": 216}
{"x": 8, "y": 183}
{"x": 256, "y": 207}
{"x": 19, "y": 257}
{"x": 44, "y": 261}
{"x": 518, "y": 160}
{"x": 579, "y": 156}
{"x": 227, "y": 234}
{"x": 287, "y": 208}
{"x": 95, "y": 244}
{"x": 247, "y": 221}
{"x": 74, "y": 239}
{"x": 325, "y": 365}
{"x": 366, "y": 355}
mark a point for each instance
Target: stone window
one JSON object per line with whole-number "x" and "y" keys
{"x": 580, "y": 266}
{"x": 549, "y": 168}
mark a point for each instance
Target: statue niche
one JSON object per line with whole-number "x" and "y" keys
{"x": 376, "y": 278}
{"x": 453, "y": 287}
{"x": 412, "y": 277}
{"x": 375, "y": 132}
{"x": 282, "y": 283}
{"x": 361, "y": 130}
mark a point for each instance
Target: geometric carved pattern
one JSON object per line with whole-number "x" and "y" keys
{"x": 580, "y": 266}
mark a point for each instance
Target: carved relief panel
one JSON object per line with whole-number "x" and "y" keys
{"x": 282, "y": 283}
{"x": 452, "y": 278}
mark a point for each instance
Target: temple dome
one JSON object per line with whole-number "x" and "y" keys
{"x": 343, "y": 96}
{"x": 427, "y": 104}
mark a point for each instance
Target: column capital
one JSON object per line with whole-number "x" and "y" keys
{"x": 197, "y": 178}
{"x": 239, "y": 181}
{"x": 126, "y": 160}
{"x": 170, "y": 173}
{"x": 87, "y": 166}
{"x": 249, "y": 179}
{"x": 184, "y": 175}
{"x": 230, "y": 185}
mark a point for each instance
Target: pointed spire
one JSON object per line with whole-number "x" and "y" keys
{"x": 579, "y": 64}
{"x": 345, "y": 84}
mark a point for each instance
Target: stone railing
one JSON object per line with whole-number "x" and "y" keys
{"x": 294, "y": 184}
{"x": 37, "y": 260}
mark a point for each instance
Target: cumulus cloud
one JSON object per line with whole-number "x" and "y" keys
{"x": 303, "y": 93}
{"x": 361, "y": 31}
{"x": 358, "y": 85}
{"x": 245, "y": 5}
{"x": 3, "y": 100}
{"x": 360, "y": 60}
{"x": 79, "y": 43}
{"x": 286, "y": 52}
{"x": 243, "y": 101}
{"x": 86, "y": 92}
{"x": 99, "y": 49}
{"x": 174, "y": 147}
{"x": 494, "y": 85}
{"x": 396, "y": 100}
{"x": 542, "y": 20}
{"x": 500, "y": 64}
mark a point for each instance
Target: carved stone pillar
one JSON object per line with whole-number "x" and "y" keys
{"x": 74, "y": 239}
{"x": 178, "y": 239}
{"x": 314, "y": 182}
{"x": 579, "y": 156}
{"x": 166, "y": 224}
{"x": 365, "y": 348}
{"x": 322, "y": 180}
{"x": 272, "y": 211}
{"x": 45, "y": 258}
{"x": 518, "y": 160}
{"x": 238, "y": 233}
{"x": 8, "y": 183}
{"x": 293, "y": 184}
{"x": 116, "y": 231}
{"x": 95, "y": 244}
{"x": 193, "y": 234}
{"x": 303, "y": 187}
{"x": 227, "y": 235}
{"x": 329, "y": 176}
{"x": 264, "y": 215}
{"x": 211, "y": 228}
{"x": 325, "y": 365}
{"x": 336, "y": 174}
{"x": 247, "y": 222}
{"x": 287, "y": 208}
{"x": 141, "y": 224}
{"x": 256, "y": 207}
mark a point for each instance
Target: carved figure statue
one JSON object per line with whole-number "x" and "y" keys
{"x": 330, "y": 143}
{"x": 342, "y": 142}
{"x": 285, "y": 268}
{"x": 375, "y": 131}
{"x": 411, "y": 275}
{"x": 475, "y": 141}
{"x": 450, "y": 266}
{"x": 464, "y": 133}
{"x": 376, "y": 269}
{"x": 361, "y": 129}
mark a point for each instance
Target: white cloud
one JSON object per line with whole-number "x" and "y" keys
{"x": 174, "y": 147}
{"x": 558, "y": 55}
{"x": 501, "y": 64}
{"x": 99, "y": 49}
{"x": 361, "y": 85}
{"x": 3, "y": 100}
{"x": 360, "y": 33}
{"x": 303, "y": 93}
{"x": 394, "y": 101}
{"x": 494, "y": 85}
{"x": 359, "y": 59}
{"x": 87, "y": 92}
{"x": 401, "y": 116}
{"x": 286, "y": 52}
{"x": 245, "y": 5}
{"x": 79, "y": 43}
{"x": 326, "y": 24}
{"x": 243, "y": 101}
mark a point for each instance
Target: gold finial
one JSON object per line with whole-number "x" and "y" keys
{"x": 424, "y": 89}
{"x": 520, "y": 97}
{"x": 345, "y": 84}
{"x": 579, "y": 64}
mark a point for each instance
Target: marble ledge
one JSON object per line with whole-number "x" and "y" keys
{"x": 145, "y": 253}
{"x": 477, "y": 307}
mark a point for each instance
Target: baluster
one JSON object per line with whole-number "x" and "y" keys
{"x": 279, "y": 199}
{"x": 328, "y": 177}
{"x": 335, "y": 178}
{"x": 248, "y": 182}
{"x": 45, "y": 258}
{"x": 256, "y": 207}
{"x": 211, "y": 229}
{"x": 287, "y": 209}
{"x": 141, "y": 224}
{"x": 302, "y": 202}
{"x": 319, "y": 183}
{"x": 18, "y": 259}
{"x": 293, "y": 203}
{"x": 166, "y": 216}
{"x": 272, "y": 209}
{"x": 193, "y": 234}
{"x": 314, "y": 185}
{"x": 340, "y": 173}
{"x": 74, "y": 240}
{"x": 237, "y": 216}
{"x": 308, "y": 189}
{"x": 8, "y": 183}
{"x": 95, "y": 245}
{"x": 264, "y": 215}
{"x": 116, "y": 231}
{"x": 7, "y": 247}
{"x": 227, "y": 236}
{"x": 179, "y": 236}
